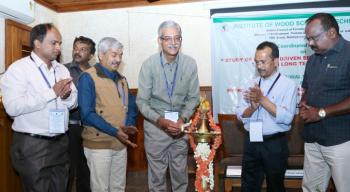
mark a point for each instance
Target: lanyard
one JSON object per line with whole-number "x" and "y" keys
{"x": 169, "y": 91}
{"x": 123, "y": 96}
{"x": 273, "y": 84}
{"x": 43, "y": 75}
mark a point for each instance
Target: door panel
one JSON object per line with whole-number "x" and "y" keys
{"x": 16, "y": 46}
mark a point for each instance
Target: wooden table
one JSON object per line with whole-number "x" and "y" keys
{"x": 235, "y": 182}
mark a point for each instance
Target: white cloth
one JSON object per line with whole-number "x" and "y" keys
{"x": 28, "y": 99}
{"x": 323, "y": 162}
{"x": 107, "y": 169}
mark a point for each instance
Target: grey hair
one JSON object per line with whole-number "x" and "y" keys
{"x": 168, "y": 24}
{"x": 108, "y": 43}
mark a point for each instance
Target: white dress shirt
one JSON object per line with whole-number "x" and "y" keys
{"x": 27, "y": 97}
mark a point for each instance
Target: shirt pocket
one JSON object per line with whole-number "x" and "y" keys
{"x": 335, "y": 75}
{"x": 182, "y": 85}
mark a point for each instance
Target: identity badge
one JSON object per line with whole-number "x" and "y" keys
{"x": 56, "y": 121}
{"x": 171, "y": 115}
{"x": 256, "y": 131}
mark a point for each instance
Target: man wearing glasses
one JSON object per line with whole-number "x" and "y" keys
{"x": 266, "y": 111}
{"x": 325, "y": 106}
{"x": 168, "y": 92}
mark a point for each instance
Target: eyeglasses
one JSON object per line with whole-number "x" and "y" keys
{"x": 263, "y": 62}
{"x": 170, "y": 39}
{"x": 314, "y": 38}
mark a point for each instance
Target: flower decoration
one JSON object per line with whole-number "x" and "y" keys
{"x": 203, "y": 154}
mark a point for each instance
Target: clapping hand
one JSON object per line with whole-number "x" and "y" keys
{"x": 62, "y": 88}
{"x": 253, "y": 95}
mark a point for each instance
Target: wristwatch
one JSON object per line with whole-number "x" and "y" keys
{"x": 322, "y": 113}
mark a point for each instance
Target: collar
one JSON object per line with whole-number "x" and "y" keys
{"x": 271, "y": 77}
{"x": 75, "y": 65}
{"x": 174, "y": 62}
{"x": 39, "y": 62}
{"x": 337, "y": 47}
{"x": 105, "y": 73}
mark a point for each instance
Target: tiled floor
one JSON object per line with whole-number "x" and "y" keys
{"x": 137, "y": 182}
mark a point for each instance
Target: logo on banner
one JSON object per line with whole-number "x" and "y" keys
{"x": 224, "y": 28}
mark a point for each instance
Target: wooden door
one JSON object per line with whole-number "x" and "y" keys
{"x": 17, "y": 45}
{"x": 17, "y": 41}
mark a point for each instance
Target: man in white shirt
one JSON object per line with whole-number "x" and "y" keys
{"x": 37, "y": 94}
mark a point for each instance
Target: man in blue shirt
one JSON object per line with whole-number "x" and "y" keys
{"x": 108, "y": 113}
{"x": 267, "y": 111}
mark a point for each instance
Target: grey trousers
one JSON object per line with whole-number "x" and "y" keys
{"x": 42, "y": 164}
{"x": 164, "y": 152}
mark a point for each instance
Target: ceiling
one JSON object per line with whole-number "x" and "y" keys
{"x": 81, "y": 5}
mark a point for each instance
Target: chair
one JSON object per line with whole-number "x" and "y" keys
{"x": 296, "y": 144}
{"x": 233, "y": 138}
{"x": 232, "y": 146}
{"x": 232, "y": 149}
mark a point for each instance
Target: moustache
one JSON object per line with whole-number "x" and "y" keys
{"x": 261, "y": 70}
{"x": 173, "y": 46}
{"x": 76, "y": 55}
{"x": 313, "y": 47}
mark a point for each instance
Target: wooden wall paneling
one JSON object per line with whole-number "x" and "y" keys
{"x": 137, "y": 156}
{"x": 6, "y": 173}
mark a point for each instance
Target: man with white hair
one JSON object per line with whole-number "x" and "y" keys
{"x": 108, "y": 113}
{"x": 168, "y": 92}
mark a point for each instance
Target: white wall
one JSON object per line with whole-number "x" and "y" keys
{"x": 137, "y": 29}
{"x": 44, "y": 15}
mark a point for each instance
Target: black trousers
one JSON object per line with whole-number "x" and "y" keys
{"x": 264, "y": 159}
{"x": 42, "y": 164}
{"x": 78, "y": 165}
